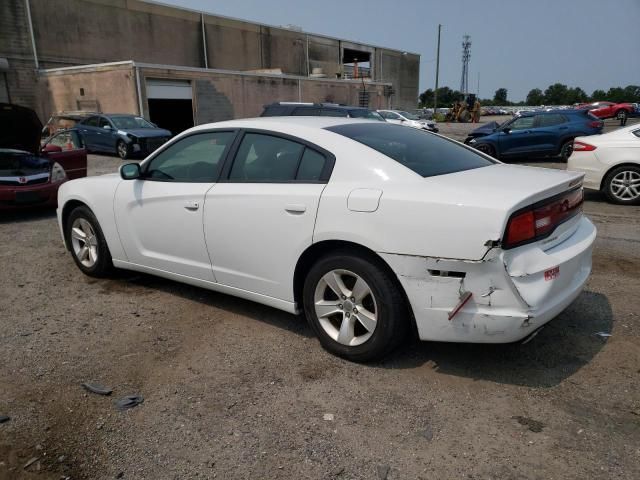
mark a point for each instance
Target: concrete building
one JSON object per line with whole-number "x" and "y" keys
{"x": 182, "y": 66}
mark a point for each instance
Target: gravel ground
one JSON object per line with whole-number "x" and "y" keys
{"x": 233, "y": 389}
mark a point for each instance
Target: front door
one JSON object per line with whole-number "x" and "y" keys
{"x": 160, "y": 216}
{"x": 520, "y": 139}
{"x": 73, "y": 157}
{"x": 260, "y": 217}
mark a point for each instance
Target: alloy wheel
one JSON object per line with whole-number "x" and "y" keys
{"x": 84, "y": 242}
{"x": 346, "y": 307}
{"x": 122, "y": 150}
{"x": 625, "y": 185}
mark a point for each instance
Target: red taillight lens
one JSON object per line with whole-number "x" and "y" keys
{"x": 583, "y": 147}
{"x": 521, "y": 228}
{"x": 595, "y": 124}
{"x": 540, "y": 221}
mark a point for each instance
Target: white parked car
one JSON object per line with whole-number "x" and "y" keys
{"x": 610, "y": 163}
{"x": 408, "y": 120}
{"x": 369, "y": 228}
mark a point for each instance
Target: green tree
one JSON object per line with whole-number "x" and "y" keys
{"x": 556, "y": 94}
{"x": 576, "y": 95}
{"x": 535, "y": 97}
{"x": 632, "y": 93}
{"x": 598, "y": 95}
{"x": 426, "y": 98}
{"x": 500, "y": 97}
{"x": 616, "y": 95}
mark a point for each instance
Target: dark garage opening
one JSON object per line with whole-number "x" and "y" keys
{"x": 176, "y": 115}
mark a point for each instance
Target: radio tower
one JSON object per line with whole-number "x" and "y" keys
{"x": 466, "y": 55}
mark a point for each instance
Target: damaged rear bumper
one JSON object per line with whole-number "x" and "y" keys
{"x": 514, "y": 292}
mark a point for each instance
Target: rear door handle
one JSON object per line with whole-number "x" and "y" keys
{"x": 192, "y": 205}
{"x": 295, "y": 208}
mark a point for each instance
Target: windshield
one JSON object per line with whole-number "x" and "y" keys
{"x": 131, "y": 122}
{"x": 21, "y": 164}
{"x": 366, "y": 114}
{"x": 426, "y": 154}
{"x": 409, "y": 116}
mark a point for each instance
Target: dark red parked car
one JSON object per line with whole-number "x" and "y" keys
{"x": 30, "y": 174}
{"x": 603, "y": 110}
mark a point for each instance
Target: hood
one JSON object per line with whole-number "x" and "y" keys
{"x": 147, "y": 132}
{"x": 486, "y": 129}
{"x": 20, "y": 128}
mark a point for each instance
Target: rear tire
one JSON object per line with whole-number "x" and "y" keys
{"x": 354, "y": 306}
{"x": 566, "y": 149}
{"x": 87, "y": 243}
{"x": 622, "y": 185}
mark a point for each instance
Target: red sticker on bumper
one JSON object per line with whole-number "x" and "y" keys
{"x": 552, "y": 273}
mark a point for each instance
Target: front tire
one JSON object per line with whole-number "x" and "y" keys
{"x": 87, "y": 243}
{"x": 354, "y": 306}
{"x": 486, "y": 149}
{"x": 622, "y": 185}
{"x": 123, "y": 150}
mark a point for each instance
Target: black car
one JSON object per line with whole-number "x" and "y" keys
{"x": 126, "y": 135}
{"x": 300, "y": 109}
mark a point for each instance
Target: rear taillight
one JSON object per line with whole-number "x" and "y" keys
{"x": 583, "y": 147}
{"x": 541, "y": 219}
{"x": 595, "y": 124}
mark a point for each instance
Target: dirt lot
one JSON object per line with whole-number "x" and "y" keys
{"x": 233, "y": 389}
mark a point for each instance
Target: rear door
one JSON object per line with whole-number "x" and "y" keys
{"x": 89, "y": 131}
{"x": 73, "y": 157}
{"x": 260, "y": 217}
{"x": 549, "y": 130}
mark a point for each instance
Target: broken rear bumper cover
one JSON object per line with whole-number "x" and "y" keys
{"x": 514, "y": 292}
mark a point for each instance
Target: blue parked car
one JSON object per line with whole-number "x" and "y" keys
{"x": 535, "y": 134}
{"x": 126, "y": 135}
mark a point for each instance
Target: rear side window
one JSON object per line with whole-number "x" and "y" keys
{"x": 263, "y": 158}
{"x": 306, "y": 112}
{"x": 550, "y": 120}
{"x": 426, "y": 154}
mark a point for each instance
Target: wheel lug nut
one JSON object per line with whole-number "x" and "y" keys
{"x": 348, "y": 314}
{"x": 355, "y": 310}
{"x": 353, "y": 299}
{"x": 344, "y": 297}
{"x": 340, "y": 306}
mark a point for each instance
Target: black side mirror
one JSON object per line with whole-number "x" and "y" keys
{"x": 507, "y": 130}
{"x": 130, "y": 171}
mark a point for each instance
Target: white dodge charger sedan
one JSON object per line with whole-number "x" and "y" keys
{"x": 370, "y": 229}
{"x": 610, "y": 163}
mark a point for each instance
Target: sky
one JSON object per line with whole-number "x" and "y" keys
{"x": 516, "y": 44}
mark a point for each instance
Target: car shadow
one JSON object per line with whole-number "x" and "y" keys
{"x": 561, "y": 348}
{"x": 235, "y": 305}
{"x": 27, "y": 215}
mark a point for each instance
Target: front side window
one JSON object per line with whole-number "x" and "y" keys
{"x": 427, "y": 155}
{"x": 522, "y": 123}
{"x": 103, "y": 122}
{"x": 92, "y": 121}
{"x": 196, "y": 158}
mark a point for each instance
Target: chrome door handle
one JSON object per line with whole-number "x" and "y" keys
{"x": 192, "y": 205}
{"x": 295, "y": 208}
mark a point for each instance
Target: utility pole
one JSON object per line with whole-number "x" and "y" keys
{"x": 435, "y": 92}
{"x": 466, "y": 55}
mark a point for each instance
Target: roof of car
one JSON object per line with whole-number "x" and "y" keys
{"x": 337, "y": 106}
{"x": 279, "y": 122}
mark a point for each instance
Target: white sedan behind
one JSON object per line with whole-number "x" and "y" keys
{"x": 610, "y": 163}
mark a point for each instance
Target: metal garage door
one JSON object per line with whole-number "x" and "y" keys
{"x": 169, "y": 89}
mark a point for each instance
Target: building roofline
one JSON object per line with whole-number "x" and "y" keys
{"x": 133, "y": 64}
{"x": 280, "y": 27}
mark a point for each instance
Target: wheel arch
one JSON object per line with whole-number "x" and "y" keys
{"x": 319, "y": 249}
{"x": 69, "y": 206}
{"x": 605, "y": 175}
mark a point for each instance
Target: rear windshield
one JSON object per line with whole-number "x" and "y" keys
{"x": 424, "y": 153}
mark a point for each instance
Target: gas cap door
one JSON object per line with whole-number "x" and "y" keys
{"x": 364, "y": 199}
